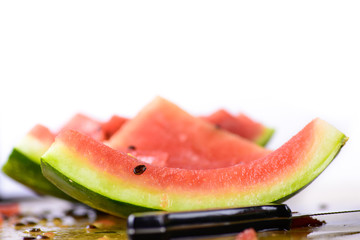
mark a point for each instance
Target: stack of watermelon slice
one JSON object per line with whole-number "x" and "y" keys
{"x": 166, "y": 159}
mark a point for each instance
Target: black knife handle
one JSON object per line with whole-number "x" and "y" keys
{"x": 206, "y": 223}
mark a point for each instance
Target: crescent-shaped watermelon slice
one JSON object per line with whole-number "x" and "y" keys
{"x": 110, "y": 180}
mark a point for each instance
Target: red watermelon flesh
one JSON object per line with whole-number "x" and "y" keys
{"x": 157, "y": 158}
{"x": 85, "y": 125}
{"x": 191, "y": 142}
{"x": 9, "y": 209}
{"x": 241, "y": 125}
{"x": 41, "y": 132}
{"x": 254, "y": 128}
{"x": 98, "y": 130}
{"x": 111, "y": 126}
{"x": 247, "y": 234}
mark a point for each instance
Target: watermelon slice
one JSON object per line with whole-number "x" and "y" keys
{"x": 190, "y": 142}
{"x": 241, "y": 125}
{"x": 117, "y": 183}
{"x": 23, "y": 164}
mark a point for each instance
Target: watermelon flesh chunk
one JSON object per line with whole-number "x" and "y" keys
{"x": 241, "y": 125}
{"x": 104, "y": 178}
{"x": 247, "y": 234}
{"x": 191, "y": 142}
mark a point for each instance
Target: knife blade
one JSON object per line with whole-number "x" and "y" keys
{"x": 217, "y": 222}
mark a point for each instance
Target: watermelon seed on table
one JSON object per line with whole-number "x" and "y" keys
{"x": 34, "y": 230}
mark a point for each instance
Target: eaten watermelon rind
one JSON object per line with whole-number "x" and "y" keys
{"x": 69, "y": 167}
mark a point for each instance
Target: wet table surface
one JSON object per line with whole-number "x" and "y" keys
{"x": 55, "y": 219}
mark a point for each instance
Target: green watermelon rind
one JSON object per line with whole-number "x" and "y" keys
{"x": 89, "y": 197}
{"x": 321, "y": 167}
{"x": 32, "y": 177}
{"x": 57, "y": 154}
{"x": 265, "y": 137}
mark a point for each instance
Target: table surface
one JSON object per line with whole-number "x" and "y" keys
{"x": 59, "y": 219}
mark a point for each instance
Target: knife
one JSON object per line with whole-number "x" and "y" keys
{"x": 217, "y": 222}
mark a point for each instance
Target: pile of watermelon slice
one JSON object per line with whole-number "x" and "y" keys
{"x": 166, "y": 159}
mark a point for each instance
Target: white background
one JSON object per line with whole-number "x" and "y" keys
{"x": 281, "y": 62}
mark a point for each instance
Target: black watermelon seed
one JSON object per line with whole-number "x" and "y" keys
{"x": 31, "y": 223}
{"x": 28, "y": 238}
{"x": 19, "y": 224}
{"x": 131, "y": 147}
{"x": 140, "y": 169}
